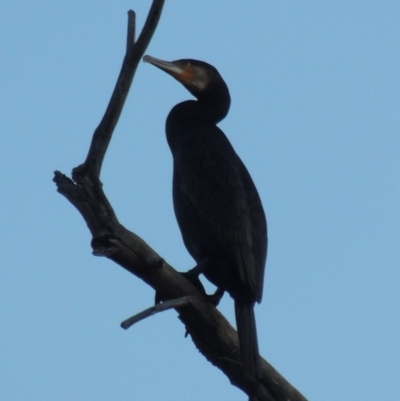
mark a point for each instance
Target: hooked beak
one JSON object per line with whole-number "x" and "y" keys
{"x": 182, "y": 73}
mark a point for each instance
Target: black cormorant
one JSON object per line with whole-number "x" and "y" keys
{"x": 216, "y": 204}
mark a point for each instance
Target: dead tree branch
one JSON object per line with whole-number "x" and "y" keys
{"x": 210, "y": 331}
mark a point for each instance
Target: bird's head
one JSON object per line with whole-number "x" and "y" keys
{"x": 199, "y": 78}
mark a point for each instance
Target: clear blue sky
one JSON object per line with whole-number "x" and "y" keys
{"x": 315, "y": 116}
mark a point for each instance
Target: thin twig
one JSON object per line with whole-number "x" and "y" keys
{"x": 173, "y": 303}
{"x": 130, "y": 37}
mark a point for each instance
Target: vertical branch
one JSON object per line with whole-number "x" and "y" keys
{"x": 103, "y": 133}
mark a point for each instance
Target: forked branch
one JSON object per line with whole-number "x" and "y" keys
{"x": 210, "y": 331}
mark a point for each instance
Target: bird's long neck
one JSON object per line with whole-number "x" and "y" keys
{"x": 186, "y": 118}
{"x": 186, "y": 121}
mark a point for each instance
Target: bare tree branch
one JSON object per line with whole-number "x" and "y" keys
{"x": 167, "y": 305}
{"x": 134, "y": 53}
{"x": 210, "y": 331}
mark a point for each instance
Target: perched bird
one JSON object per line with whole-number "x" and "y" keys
{"x": 217, "y": 206}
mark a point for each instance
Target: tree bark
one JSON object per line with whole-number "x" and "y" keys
{"x": 212, "y": 334}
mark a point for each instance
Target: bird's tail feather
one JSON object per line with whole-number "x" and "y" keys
{"x": 247, "y": 331}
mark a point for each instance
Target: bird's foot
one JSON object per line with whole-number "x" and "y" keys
{"x": 216, "y": 297}
{"x": 193, "y": 277}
